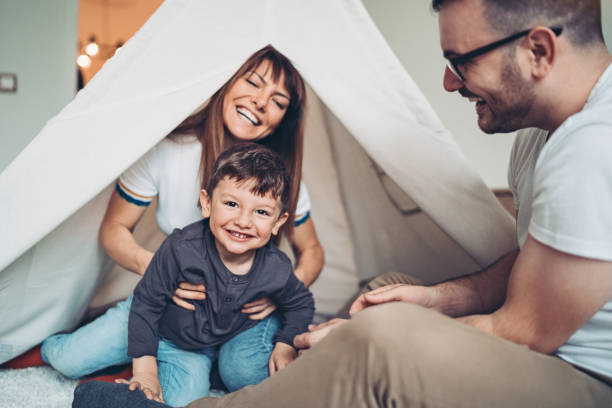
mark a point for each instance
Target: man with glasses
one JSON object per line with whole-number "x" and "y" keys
{"x": 534, "y": 329}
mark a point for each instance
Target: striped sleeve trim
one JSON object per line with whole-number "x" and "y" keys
{"x": 300, "y": 220}
{"x": 132, "y": 197}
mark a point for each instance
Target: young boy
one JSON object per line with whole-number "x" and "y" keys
{"x": 229, "y": 251}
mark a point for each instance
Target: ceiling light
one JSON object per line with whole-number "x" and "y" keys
{"x": 83, "y": 61}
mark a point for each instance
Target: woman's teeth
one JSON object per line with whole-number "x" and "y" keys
{"x": 248, "y": 115}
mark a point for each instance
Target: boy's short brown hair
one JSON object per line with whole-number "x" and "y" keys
{"x": 245, "y": 162}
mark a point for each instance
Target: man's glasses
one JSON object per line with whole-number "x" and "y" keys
{"x": 455, "y": 62}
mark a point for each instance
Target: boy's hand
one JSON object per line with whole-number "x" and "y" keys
{"x": 145, "y": 378}
{"x": 281, "y": 356}
{"x": 148, "y": 384}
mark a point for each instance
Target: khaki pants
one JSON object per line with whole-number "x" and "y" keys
{"x": 401, "y": 355}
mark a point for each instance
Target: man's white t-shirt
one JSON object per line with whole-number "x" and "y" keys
{"x": 170, "y": 171}
{"x": 563, "y": 194}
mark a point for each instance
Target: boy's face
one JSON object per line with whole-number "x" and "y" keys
{"x": 240, "y": 220}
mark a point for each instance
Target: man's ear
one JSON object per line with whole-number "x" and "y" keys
{"x": 542, "y": 45}
{"x": 205, "y": 203}
{"x": 279, "y": 223}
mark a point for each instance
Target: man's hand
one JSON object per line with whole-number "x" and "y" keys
{"x": 191, "y": 291}
{"x": 259, "y": 309}
{"x": 399, "y": 292}
{"x": 315, "y": 334}
{"x": 281, "y": 356}
{"x": 147, "y": 383}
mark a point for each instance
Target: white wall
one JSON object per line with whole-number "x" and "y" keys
{"x": 411, "y": 29}
{"x": 38, "y": 43}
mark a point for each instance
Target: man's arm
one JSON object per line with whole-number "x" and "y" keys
{"x": 481, "y": 292}
{"x": 551, "y": 294}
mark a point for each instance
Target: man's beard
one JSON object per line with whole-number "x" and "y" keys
{"x": 508, "y": 109}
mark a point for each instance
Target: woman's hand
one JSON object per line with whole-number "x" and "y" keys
{"x": 281, "y": 356}
{"x": 259, "y": 309}
{"x": 190, "y": 291}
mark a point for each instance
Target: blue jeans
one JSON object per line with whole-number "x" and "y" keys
{"x": 96, "y": 394}
{"x": 184, "y": 375}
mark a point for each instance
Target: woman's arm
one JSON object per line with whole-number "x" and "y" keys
{"x": 308, "y": 251}
{"x": 116, "y": 235}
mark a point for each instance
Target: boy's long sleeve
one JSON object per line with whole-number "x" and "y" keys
{"x": 150, "y": 299}
{"x": 296, "y": 304}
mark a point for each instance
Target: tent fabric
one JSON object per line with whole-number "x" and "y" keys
{"x": 54, "y": 193}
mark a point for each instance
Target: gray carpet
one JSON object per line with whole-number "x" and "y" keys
{"x": 35, "y": 387}
{"x": 39, "y": 387}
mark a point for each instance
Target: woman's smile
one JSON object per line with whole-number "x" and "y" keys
{"x": 248, "y": 115}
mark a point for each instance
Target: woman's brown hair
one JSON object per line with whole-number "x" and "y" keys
{"x": 286, "y": 140}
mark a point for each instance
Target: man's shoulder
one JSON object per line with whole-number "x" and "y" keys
{"x": 584, "y": 138}
{"x": 594, "y": 119}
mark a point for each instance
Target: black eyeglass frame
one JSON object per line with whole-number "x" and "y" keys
{"x": 454, "y": 62}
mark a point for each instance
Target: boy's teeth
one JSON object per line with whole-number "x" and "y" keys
{"x": 248, "y": 115}
{"x": 238, "y": 235}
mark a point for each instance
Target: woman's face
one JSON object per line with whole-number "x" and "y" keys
{"x": 255, "y": 105}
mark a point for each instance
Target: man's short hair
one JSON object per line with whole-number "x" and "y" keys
{"x": 252, "y": 162}
{"x": 580, "y": 19}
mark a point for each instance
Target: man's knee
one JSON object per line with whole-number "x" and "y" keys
{"x": 395, "y": 326}
{"x": 391, "y": 278}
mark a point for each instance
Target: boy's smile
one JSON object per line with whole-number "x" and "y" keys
{"x": 240, "y": 220}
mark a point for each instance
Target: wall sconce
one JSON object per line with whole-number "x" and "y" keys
{"x": 92, "y": 48}
{"x": 95, "y": 50}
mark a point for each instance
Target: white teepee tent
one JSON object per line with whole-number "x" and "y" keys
{"x": 55, "y": 192}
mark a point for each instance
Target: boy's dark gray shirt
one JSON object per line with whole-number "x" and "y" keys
{"x": 190, "y": 255}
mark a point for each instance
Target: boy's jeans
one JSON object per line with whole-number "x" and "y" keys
{"x": 184, "y": 375}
